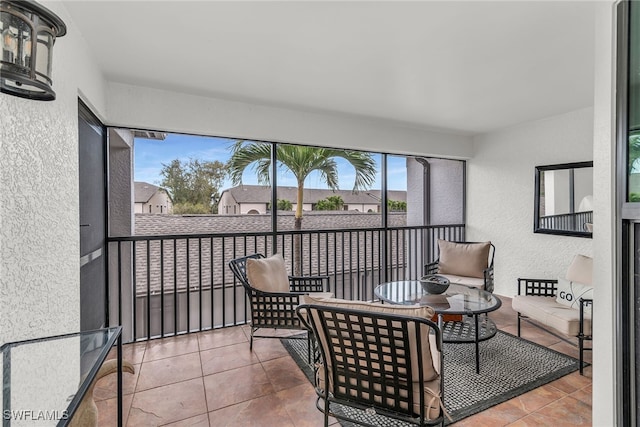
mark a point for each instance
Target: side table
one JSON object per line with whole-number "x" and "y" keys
{"x": 45, "y": 379}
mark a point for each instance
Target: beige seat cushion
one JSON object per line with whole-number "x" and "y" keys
{"x": 268, "y": 274}
{"x": 463, "y": 259}
{"x": 463, "y": 280}
{"x": 431, "y": 368}
{"x": 581, "y": 270}
{"x": 548, "y": 312}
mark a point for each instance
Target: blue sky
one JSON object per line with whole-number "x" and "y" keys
{"x": 150, "y": 155}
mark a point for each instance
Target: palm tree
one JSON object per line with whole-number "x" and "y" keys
{"x": 300, "y": 161}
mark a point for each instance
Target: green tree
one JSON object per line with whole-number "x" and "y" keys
{"x": 190, "y": 208}
{"x": 283, "y": 205}
{"x": 331, "y": 203}
{"x": 194, "y": 185}
{"x": 397, "y": 206}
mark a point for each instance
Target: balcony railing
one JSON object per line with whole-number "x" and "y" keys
{"x": 567, "y": 222}
{"x": 160, "y": 286}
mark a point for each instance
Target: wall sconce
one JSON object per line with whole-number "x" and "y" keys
{"x": 28, "y": 32}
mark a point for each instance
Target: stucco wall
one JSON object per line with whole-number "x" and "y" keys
{"x": 121, "y": 182}
{"x": 246, "y": 207}
{"x": 39, "y": 243}
{"x": 446, "y": 189}
{"x": 500, "y": 187}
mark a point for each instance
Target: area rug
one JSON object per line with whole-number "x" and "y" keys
{"x": 509, "y": 367}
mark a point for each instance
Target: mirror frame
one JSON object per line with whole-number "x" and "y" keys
{"x": 536, "y": 200}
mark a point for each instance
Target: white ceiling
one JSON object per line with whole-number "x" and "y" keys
{"x": 469, "y": 67}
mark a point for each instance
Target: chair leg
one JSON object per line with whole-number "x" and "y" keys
{"x": 326, "y": 407}
{"x": 251, "y": 341}
{"x": 581, "y": 346}
{"x": 518, "y": 325}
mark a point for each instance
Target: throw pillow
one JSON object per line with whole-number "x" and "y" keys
{"x": 463, "y": 259}
{"x": 569, "y": 293}
{"x": 581, "y": 270}
{"x": 268, "y": 274}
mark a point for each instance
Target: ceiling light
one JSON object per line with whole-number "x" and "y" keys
{"x": 27, "y": 34}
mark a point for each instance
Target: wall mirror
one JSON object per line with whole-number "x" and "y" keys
{"x": 564, "y": 199}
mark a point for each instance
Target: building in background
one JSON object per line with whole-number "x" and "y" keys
{"x": 150, "y": 198}
{"x": 256, "y": 199}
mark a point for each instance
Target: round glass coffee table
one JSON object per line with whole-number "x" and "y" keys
{"x": 469, "y": 302}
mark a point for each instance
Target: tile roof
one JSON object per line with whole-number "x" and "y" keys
{"x": 208, "y": 257}
{"x": 157, "y": 225}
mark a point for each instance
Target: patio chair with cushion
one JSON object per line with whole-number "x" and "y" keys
{"x": 273, "y": 295}
{"x": 564, "y": 305}
{"x": 465, "y": 263}
{"x": 376, "y": 360}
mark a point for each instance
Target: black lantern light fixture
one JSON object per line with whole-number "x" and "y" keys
{"x": 28, "y": 32}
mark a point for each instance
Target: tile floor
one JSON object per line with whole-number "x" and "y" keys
{"x": 212, "y": 379}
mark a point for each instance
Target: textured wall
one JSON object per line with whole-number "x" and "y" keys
{"x": 415, "y": 192}
{"x": 447, "y": 189}
{"x": 500, "y": 187}
{"x": 39, "y": 230}
{"x": 120, "y": 182}
{"x": 39, "y": 249}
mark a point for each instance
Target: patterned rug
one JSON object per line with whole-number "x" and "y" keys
{"x": 509, "y": 367}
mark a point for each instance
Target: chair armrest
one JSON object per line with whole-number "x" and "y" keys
{"x": 585, "y": 304}
{"x": 306, "y": 284}
{"x": 263, "y": 294}
{"x": 301, "y": 312}
{"x": 537, "y": 287}
{"x": 488, "y": 279}
{"x": 431, "y": 268}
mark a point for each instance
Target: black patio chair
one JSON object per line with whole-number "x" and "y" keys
{"x": 275, "y": 310}
{"x": 381, "y": 364}
{"x": 485, "y": 282}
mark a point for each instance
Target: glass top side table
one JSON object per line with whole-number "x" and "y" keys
{"x": 45, "y": 379}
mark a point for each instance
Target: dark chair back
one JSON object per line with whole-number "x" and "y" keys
{"x": 239, "y": 268}
{"x": 376, "y": 361}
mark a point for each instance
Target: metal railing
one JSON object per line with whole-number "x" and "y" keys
{"x": 167, "y": 285}
{"x": 567, "y": 222}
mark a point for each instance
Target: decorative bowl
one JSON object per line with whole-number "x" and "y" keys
{"x": 434, "y": 284}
